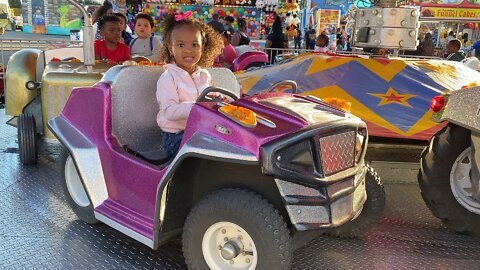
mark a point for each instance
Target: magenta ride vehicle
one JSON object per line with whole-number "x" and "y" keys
{"x": 255, "y": 177}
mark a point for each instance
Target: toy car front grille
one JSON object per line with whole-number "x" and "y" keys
{"x": 337, "y": 152}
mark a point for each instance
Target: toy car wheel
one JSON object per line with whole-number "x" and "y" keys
{"x": 74, "y": 191}
{"x": 372, "y": 209}
{"x": 444, "y": 180}
{"x": 27, "y": 139}
{"x": 236, "y": 229}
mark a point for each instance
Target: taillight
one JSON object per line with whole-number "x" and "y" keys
{"x": 437, "y": 103}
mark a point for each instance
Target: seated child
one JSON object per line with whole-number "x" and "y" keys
{"x": 453, "y": 50}
{"x": 188, "y": 47}
{"x": 225, "y": 59}
{"x": 145, "y": 44}
{"x": 321, "y": 44}
{"x": 126, "y": 36}
{"x": 110, "y": 48}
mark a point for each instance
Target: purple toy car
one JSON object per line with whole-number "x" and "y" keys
{"x": 253, "y": 179}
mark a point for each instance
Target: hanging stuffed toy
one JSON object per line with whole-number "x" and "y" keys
{"x": 291, "y": 5}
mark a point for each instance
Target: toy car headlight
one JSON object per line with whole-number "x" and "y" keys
{"x": 241, "y": 115}
{"x": 339, "y": 103}
{"x": 297, "y": 157}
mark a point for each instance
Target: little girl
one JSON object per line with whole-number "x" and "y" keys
{"x": 110, "y": 48}
{"x": 188, "y": 47}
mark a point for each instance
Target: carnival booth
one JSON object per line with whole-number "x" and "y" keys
{"x": 442, "y": 16}
{"x": 204, "y": 10}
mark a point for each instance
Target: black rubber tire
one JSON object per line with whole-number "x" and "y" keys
{"x": 434, "y": 179}
{"x": 83, "y": 213}
{"x": 372, "y": 209}
{"x": 248, "y": 210}
{"x": 27, "y": 139}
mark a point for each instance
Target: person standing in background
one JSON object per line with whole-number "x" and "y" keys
{"x": 426, "y": 47}
{"x": 105, "y": 9}
{"x": 307, "y": 37}
{"x": 240, "y": 37}
{"x": 216, "y": 24}
{"x": 229, "y": 20}
{"x": 276, "y": 40}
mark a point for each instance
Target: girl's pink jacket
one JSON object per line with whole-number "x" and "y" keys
{"x": 176, "y": 92}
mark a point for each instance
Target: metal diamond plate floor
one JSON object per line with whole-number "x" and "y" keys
{"x": 39, "y": 231}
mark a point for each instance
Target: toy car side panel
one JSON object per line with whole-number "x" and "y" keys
{"x": 57, "y": 83}
{"x": 86, "y": 157}
{"x": 21, "y": 68}
{"x": 130, "y": 182}
{"x": 463, "y": 108}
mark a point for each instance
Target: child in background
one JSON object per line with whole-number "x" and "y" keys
{"x": 127, "y": 37}
{"x": 453, "y": 50}
{"x": 225, "y": 59}
{"x": 188, "y": 47}
{"x": 145, "y": 44}
{"x": 321, "y": 44}
{"x": 110, "y": 48}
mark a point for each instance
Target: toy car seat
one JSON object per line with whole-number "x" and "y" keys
{"x": 134, "y": 110}
{"x": 135, "y": 107}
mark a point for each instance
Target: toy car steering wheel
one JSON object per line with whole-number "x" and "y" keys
{"x": 212, "y": 89}
{"x": 292, "y": 84}
{"x": 139, "y": 58}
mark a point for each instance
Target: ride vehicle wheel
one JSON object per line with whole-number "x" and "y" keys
{"x": 236, "y": 229}
{"x": 372, "y": 209}
{"x": 74, "y": 190}
{"x": 444, "y": 180}
{"x": 27, "y": 139}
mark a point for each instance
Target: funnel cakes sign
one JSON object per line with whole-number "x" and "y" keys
{"x": 450, "y": 13}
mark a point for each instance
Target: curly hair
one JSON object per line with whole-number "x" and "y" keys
{"x": 107, "y": 18}
{"x": 211, "y": 40}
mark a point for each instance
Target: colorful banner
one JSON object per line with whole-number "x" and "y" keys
{"x": 391, "y": 95}
{"x": 450, "y": 13}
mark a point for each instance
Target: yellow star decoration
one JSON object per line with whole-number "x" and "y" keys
{"x": 392, "y": 96}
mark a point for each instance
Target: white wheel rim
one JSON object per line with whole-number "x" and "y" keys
{"x": 460, "y": 183}
{"x": 74, "y": 184}
{"x": 217, "y": 236}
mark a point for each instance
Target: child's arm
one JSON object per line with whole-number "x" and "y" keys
{"x": 169, "y": 101}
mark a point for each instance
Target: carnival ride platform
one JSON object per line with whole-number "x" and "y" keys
{"x": 39, "y": 231}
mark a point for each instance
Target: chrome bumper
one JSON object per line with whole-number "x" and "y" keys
{"x": 331, "y": 204}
